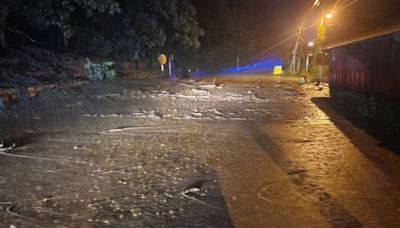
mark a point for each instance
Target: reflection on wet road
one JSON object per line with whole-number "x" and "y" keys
{"x": 255, "y": 152}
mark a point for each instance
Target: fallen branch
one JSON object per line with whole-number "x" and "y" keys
{"x": 23, "y": 34}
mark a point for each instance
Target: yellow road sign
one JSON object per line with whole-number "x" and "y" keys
{"x": 278, "y": 70}
{"x": 162, "y": 59}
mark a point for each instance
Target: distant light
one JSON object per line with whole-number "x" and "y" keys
{"x": 265, "y": 65}
{"x": 329, "y": 15}
{"x": 311, "y": 44}
{"x": 278, "y": 70}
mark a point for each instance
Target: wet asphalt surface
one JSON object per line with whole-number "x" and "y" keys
{"x": 257, "y": 152}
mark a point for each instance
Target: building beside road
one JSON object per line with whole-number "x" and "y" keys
{"x": 369, "y": 67}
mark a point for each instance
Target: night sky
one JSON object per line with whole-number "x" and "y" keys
{"x": 365, "y": 18}
{"x": 280, "y": 19}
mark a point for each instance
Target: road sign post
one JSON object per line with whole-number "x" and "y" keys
{"x": 162, "y": 59}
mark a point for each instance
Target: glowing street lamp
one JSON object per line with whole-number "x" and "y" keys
{"x": 321, "y": 30}
{"x": 329, "y": 15}
{"x": 311, "y": 44}
{"x": 320, "y": 40}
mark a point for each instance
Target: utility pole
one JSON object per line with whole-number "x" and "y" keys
{"x": 300, "y": 40}
{"x": 293, "y": 61}
{"x": 295, "y": 64}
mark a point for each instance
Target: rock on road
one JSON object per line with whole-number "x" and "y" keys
{"x": 250, "y": 151}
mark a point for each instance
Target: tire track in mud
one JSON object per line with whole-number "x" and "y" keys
{"x": 328, "y": 207}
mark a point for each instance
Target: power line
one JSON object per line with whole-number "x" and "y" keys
{"x": 316, "y": 4}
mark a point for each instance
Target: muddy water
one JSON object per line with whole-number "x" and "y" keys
{"x": 190, "y": 154}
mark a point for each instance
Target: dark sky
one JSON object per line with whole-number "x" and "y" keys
{"x": 365, "y": 18}
{"x": 278, "y": 19}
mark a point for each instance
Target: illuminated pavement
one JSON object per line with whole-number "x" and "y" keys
{"x": 243, "y": 152}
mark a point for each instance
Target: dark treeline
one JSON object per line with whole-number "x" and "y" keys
{"x": 197, "y": 32}
{"x": 230, "y": 30}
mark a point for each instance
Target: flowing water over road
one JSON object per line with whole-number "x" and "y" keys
{"x": 255, "y": 152}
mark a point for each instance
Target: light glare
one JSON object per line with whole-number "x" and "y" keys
{"x": 329, "y": 16}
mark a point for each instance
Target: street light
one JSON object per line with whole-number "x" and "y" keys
{"x": 329, "y": 15}
{"x": 320, "y": 40}
{"x": 311, "y": 44}
{"x": 325, "y": 17}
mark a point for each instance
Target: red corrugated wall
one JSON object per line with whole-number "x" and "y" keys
{"x": 370, "y": 66}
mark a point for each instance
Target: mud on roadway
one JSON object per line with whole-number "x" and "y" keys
{"x": 248, "y": 151}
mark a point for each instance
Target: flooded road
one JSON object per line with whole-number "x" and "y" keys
{"x": 233, "y": 152}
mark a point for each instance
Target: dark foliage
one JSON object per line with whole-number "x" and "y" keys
{"x": 198, "y": 33}
{"x": 118, "y": 29}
